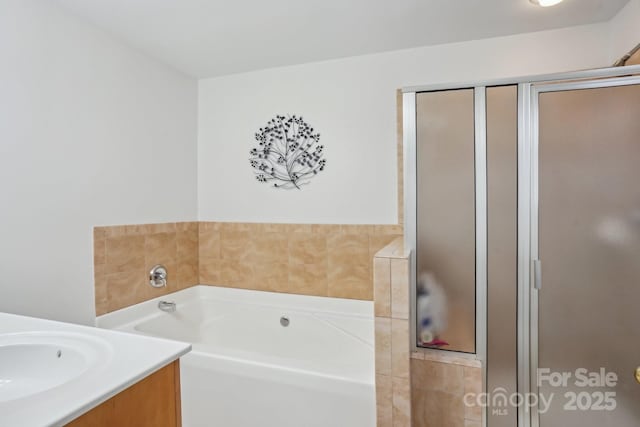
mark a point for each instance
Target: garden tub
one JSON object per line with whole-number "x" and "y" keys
{"x": 265, "y": 359}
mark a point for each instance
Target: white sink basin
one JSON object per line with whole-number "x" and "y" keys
{"x": 53, "y": 372}
{"x": 33, "y": 362}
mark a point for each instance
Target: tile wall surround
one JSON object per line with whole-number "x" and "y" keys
{"x": 439, "y": 383}
{"x": 309, "y": 259}
{"x": 391, "y": 306}
{"x": 123, "y": 256}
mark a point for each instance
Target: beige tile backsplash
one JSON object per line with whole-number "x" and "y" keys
{"x": 309, "y": 259}
{"x": 123, "y": 256}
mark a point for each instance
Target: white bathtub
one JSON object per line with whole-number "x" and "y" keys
{"x": 246, "y": 369}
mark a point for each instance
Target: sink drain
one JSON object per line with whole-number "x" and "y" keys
{"x": 284, "y": 321}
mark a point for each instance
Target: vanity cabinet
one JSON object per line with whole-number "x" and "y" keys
{"x": 152, "y": 402}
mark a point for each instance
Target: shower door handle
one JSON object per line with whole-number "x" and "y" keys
{"x": 537, "y": 274}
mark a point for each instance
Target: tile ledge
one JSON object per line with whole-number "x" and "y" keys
{"x": 395, "y": 249}
{"x": 445, "y": 357}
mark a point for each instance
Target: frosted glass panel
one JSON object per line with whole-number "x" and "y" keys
{"x": 502, "y": 207}
{"x": 589, "y": 245}
{"x": 445, "y": 220}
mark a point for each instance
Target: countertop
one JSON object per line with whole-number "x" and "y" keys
{"x": 122, "y": 359}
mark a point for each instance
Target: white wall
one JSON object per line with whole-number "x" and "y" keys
{"x": 624, "y": 30}
{"x": 352, "y": 103}
{"x": 91, "y": 133}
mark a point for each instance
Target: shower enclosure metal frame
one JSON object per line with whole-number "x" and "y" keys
{"x": 529, "y": 87}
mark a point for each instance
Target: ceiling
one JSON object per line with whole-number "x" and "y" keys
{"x": 206, "y": 38}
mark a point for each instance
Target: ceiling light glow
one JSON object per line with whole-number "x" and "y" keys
{"x": 545, "y": 3}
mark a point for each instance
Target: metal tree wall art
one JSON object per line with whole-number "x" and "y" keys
{"x": 288, "y": 153}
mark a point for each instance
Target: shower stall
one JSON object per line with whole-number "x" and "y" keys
{"x": 523, "y": 216}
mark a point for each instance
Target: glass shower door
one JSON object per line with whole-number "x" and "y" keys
{"x": 446, "y": 235}
{"x": 587, "y": 343}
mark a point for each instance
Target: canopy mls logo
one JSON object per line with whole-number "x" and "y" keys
{"x": 499, "y": 401}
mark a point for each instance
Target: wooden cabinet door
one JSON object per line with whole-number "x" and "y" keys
{"x": 151, "y": 402}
